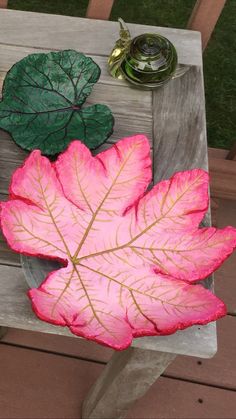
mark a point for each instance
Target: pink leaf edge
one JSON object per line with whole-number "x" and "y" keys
{"x": 130, "y": 257}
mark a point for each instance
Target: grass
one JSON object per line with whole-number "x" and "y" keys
{"x": 219, "y": 57}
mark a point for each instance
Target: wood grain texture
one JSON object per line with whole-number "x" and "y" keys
{"x": 7, "y": 256}
{"x": 179, "y": 129}
{"x": 125, "y": 379}
{"x": 62, "y": 32}
{"x": 10, "y": 54}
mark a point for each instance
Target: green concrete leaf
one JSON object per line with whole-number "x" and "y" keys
{"x": 42, "y": 99}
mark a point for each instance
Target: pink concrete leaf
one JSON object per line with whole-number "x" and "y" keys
{"x": 130, "y": 257}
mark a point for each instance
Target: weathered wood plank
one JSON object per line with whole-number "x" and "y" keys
{"x": 62, "y": 32}
{"x": 10, "y": 151}
{"x": 6, "y": 170}
{"x": 129, "y": 374}
{"x": 123, "y": 101}
{"x": 179, "y": 132}
{"x": 10, "y": 54}
{"x": 7, "y": 256}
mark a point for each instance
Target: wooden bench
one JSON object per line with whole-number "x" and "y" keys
{"x": 131, "y": 372}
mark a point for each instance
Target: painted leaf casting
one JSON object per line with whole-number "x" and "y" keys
{"x": 42, "y": 99}
{"x": 130, "y": 257}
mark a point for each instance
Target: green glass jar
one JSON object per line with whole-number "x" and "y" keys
{"x": 151, "y": 60}
{"x": 147, "y": 61}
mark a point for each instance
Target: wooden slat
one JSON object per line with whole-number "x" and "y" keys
{"x": 204, "y": 18}
{"x": 3, "y": 4}
{"x": 179, "y": 133}
{"x": 222, "y": 178}
{"x": 10, "y": 54}
{"x": 10, "y": 151}
{"x": 99, "y": 9}
{"x": 55, "y": 386}
{"x": 6, "y": 170}
{"x": 7, "y": 256}
{"x": 217, "y": 153}
{"x": 94, "y": 37}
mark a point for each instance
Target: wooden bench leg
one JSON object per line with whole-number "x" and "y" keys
{"x": 125, "y": 379}
{"x": 3, "y": 331}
